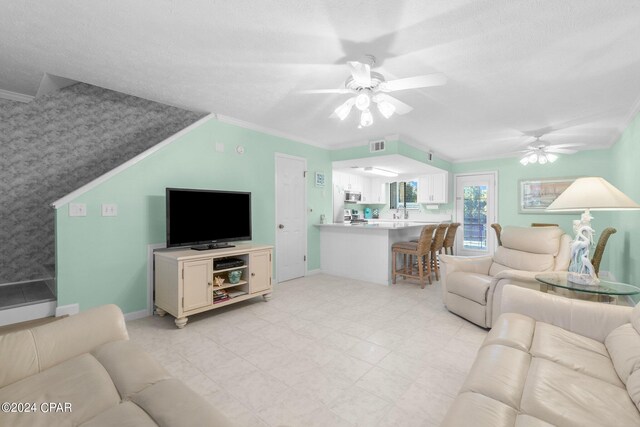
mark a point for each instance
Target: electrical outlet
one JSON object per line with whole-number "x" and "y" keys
{"x": 77, "y": 209}
{"x": 219, "y": 147}
{"x": 109, "y": 209}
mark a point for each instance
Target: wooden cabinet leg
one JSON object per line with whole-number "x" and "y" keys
{"x": 267, "y": 297}
{"x": 181, "y": 322}
{"x": 160, "y": 312}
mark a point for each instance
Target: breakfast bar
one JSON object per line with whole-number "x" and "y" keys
{"x": 362, "y": 251}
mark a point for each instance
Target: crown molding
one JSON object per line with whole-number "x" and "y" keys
{"x": 264, "y": 129}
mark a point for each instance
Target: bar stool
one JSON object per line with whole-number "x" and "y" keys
{"x": 450, "y": 238}
{"x": 436, "y": 247}
{"x": 420, "y": 250}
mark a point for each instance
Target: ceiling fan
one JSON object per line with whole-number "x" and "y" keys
{"x": 542, "y": 152}
{"x": 370, "y": 87}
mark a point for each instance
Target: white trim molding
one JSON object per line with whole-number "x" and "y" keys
{"x": 25, "y": 313}
{"x": 136, "y": 315}
{"x": 15, "y": 96}
{"x": 126, "y": 165}
{"x": 267, "y": 130}
{"x": 67, "y": 310}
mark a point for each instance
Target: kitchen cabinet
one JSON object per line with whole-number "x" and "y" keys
{"x": 378, "y": 193}
{"x": 433, "y": 188}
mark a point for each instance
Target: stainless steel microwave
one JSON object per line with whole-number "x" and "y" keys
{"x": 352, "y": 196}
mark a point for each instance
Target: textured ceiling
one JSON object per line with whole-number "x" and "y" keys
{"x": 570, "y": 68}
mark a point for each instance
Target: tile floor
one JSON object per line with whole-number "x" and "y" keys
{"x": 325, "y": 351}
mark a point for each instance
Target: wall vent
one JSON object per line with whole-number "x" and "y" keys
{"x": 376, "y": 146}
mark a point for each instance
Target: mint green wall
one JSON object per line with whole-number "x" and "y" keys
{"x": 104, "y": 259}
{"x": 510, "y": 172}
{"x": 623, "y": 248}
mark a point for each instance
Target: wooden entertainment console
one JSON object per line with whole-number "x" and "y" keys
{"x": 185, "y": 285}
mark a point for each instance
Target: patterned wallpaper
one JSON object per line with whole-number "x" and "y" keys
{"x": 54, "y": 145}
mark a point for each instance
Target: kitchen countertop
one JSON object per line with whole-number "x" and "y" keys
{"x": 384, "y": 225}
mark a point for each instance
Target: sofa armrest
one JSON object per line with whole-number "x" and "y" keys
{"x": 589, "y": 319}
{"x": 480, "y": 265}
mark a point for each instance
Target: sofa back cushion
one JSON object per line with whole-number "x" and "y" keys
{"x": 512, "y": 259}
{"x": 535, "y": 240}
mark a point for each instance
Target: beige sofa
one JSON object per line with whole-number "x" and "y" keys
{"x": 550, "y": 360}
{"x": 83, "y": 370}
{"x": 472, "y": 286}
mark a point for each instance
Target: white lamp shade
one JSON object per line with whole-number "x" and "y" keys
{"x": 593, "y": 193}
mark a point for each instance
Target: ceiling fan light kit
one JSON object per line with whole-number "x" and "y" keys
{"x": 543, "y": 153}
{"x": 368, "y": 87}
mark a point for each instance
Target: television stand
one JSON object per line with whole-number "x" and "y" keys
{"x": 212, "y": 246}
{"x": 187, "y": 283}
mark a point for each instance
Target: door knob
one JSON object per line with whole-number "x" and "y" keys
{"x": 281, "y": 226}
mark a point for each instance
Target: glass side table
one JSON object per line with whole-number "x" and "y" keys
{"x": 605, "y": 291}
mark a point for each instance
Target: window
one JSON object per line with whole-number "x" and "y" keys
{"x": 404, "y": 193}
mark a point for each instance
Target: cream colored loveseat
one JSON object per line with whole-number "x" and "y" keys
{"x": 83, "y": 370}
{"x": 550, "y": 360}
{"x": 472, "y": 286}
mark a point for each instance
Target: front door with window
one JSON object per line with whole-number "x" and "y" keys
{"x": 476, "y": 210}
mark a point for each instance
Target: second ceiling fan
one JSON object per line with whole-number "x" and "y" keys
{"x": 370, "y": 87}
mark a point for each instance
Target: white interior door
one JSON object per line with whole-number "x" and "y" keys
{"x": 476, "y": 209}
{"x": 291, "y": 218}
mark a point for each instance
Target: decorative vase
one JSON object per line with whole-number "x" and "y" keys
{"x": 234, "y": 276}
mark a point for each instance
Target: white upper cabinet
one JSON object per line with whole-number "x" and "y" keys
{"x": 378, "y": 193}
{"x": 433, "y": 188}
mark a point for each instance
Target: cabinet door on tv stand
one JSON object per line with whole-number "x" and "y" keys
{"x": 197, "y": 284}
{"x": 259, "y": 271}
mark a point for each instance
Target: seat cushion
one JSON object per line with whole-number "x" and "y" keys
{"x": 172, "y": 403}
{"x": 574, "y": 351}
{"x": 472, "y": 286}
{"x": 499, "y": 372}
{"x": 565, "y": 397}
{"x": 82, "y": 381}
{"x": 130, "y": 368}
{"x": 473, "y": 409}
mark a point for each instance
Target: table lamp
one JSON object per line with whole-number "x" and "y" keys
{"x": 588, "y": 194}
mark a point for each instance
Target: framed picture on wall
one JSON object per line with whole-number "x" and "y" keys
{"x": 535, "y": 195}
{"x": 320, "y": 179}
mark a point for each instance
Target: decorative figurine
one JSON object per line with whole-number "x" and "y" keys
{"x": 219, "y": 281}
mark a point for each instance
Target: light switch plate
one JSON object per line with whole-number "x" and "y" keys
{"x": 109, "y": 209}
{"x": 219, "y": 147}
{"x": 77, "y": 209}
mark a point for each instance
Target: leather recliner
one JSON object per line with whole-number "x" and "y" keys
{"x": 472, "y": 286}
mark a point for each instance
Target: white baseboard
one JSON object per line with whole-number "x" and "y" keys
{"x": 313, "y": 272}
{"x": 25, "y": 313}
{"x": 69, "y": 309}
{"x": 136, "y": 315}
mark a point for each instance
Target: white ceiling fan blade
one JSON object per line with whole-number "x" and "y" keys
{"x": 361, "y": 73}
{"x": 401, "y": 107}
{"x": 437, "y": 79}
{"x": 560, "y": 150}
{"x": 567, "y": 145}
{"x": 312, "y": 91}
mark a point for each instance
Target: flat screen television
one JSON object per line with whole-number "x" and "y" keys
{"x": 207, "y": 219}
